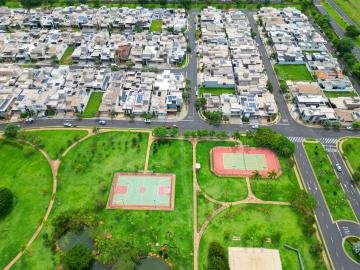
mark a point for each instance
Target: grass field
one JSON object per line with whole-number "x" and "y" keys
{"x": 334, "y": 194}
{"x": 350, "y": 148}
{"x": 348, "y": 246}
{"x": 82, "y": 173}
{"x": 351, "y": 8}
{"x": 156, "y": 26}
{"x": 254, "y": 224}
{"x": 293, "y": 73}
{"x": 220, "y": 188}
{"x": 204, "y": 209}
{"x": 54, "y": 142}
{"x": 29, "y": 177}
{"x": 66, "y": 58}
{"x": 93, "y": 105}
{"x": 279, "y": 189}
{"x": 340, "y": 94}
{"x": 216, "y": 91}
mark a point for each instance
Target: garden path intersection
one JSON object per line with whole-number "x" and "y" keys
{"x": 333, "y": 232}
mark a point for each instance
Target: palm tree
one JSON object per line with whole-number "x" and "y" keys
{"x": 272, "y": 174}
{"x": 236, "y": 135}
{"x": 256, "y": 174}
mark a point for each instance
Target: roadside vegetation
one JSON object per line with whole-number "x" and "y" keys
{"x": 352, "y": 248}
{"x": 335, "y": 196}
{"x": 350, "y": 151}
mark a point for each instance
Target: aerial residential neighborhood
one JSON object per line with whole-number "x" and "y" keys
{"x": 163, "y": 135}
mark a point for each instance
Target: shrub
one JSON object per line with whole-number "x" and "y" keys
{"x": 6, "y": 201}
{"x": 77, "y": 258}
{"x": 11, "y": 131}
{"x": 217, "y": 258}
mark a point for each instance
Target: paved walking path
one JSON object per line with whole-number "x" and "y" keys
{"x": 150, "y": 141}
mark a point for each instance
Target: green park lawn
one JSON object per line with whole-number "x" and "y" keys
{"x": 220, "y": 188}
{"x": 254, "y": 224}
{"x": 66, "y": 58}
{"x": 293, "y": 73}
{"x": 216, "y": 91}
{"x": 156, "y": 26}
{"x": 340, "y": 94}
{"x": 334, "y": 194}
{"x": 281, "y": 188}
{"x": 93, "y": 105}
{"x": 350, "y": 148}
{"x": 26, "y": 172}
{"x": 85, "y": 177}
{"x": 204, "y": 209}
{"x": 54, "y": 142}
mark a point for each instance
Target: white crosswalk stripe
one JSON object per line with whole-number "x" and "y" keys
{"x": 296, "y": 139}
{"x": 328, "y": 140}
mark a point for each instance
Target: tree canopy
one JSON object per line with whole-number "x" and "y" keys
{"x": 217, "y": 257}
{"x": 11, "y": 131}
{"x": 77, "y": 258}
{"x": 6, "y": 201}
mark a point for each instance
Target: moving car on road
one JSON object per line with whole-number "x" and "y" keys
{"x": 338, "y": 167}
{"x": 102, "y": 122}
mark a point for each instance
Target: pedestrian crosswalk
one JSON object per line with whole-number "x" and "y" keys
{"x": 324, "y": 141}
{"x": 296, "y": 139}
{"x": 328, "y": 140}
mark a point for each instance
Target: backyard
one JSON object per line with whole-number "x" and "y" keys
{"x": 269, "y": 226}
{"x": 66, "y": 58}
{"x": 335, "y": 197}
{"x": 216, "y": 91}
{"x": 26, "y": 172}
{"x": 340, "y": 94}
{"x": 293, "y": 73}
{"x": 156, "y": 26}
{"x": 93, "y": 105}
{"x": 220, "y": 188}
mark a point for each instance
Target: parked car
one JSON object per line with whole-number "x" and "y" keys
{"x": 255, "y": 126}
{"x": 349, "y": 128}
{"x": 174, "y": 126}
{"x": 102, "y": 122}
{"x": 29, "y": 120}
{"x": 338, "y": 167}
{"x": 146, "y": 120}
{"x": 68, "y": 124}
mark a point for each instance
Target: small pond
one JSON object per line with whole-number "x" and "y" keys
{"x": 151, "y": 263}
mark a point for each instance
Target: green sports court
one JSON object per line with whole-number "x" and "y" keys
{"x": 142, "y": 191}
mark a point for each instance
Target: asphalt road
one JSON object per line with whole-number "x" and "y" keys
{"x": 333, "y": 233}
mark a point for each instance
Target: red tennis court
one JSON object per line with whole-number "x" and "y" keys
{"x": 243, "y": 161}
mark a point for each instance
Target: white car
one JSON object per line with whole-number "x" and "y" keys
{"x": 338, "y": 167}
{"x": 67, "y": 124}
{"x": 255, "y": 126}
{"x": 349, "y": 128}
{"x": 146, "y": 120}
{"x": 102, "y": 122}
{"x": 29, "y": 120}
